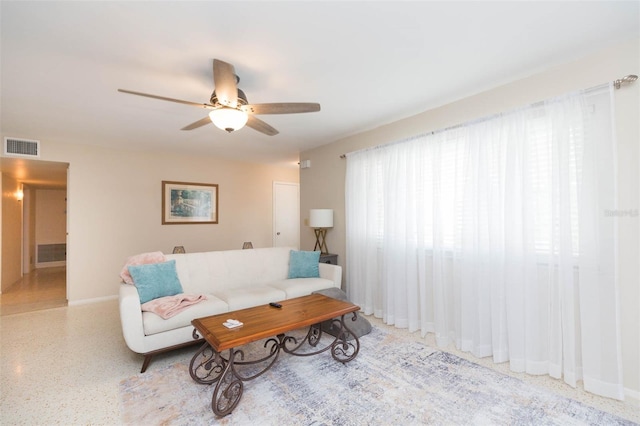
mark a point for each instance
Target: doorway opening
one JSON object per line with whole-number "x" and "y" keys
{"x": 34, "y": 275}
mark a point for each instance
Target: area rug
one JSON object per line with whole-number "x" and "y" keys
{"x": 393, "y": 380}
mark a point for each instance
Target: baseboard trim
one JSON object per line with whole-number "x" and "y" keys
{"x": 44, "y": 265}
{"x": 632, "y": 396}
{"x": 94, "y": 300}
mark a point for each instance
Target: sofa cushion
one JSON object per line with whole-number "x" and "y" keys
{"x": 155, "y": 280}
{"x": 202, "y": 272}
{"x": 297, "y": 287}
{"x": 193, "y": 272}
{"x": 304, "y": 264}
{"x": 249, "y": 296}
{"x": 154, "y": 324}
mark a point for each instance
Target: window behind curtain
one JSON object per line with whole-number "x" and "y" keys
{"x": 450, "y": 162}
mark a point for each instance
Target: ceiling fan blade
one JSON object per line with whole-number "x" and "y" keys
{"x": 261, "y": 126}
{"x": 197, "y": 124}
{"x": 224, "y": 79}
{"x": 162, "y": 98}
{"x": 281, "y": 108}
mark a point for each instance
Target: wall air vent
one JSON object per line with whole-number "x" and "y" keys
{"x": 51, "y": 252}
{"x": 14, "y": 147}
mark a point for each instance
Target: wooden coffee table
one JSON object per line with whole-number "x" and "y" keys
{"x": 210, "y": 366}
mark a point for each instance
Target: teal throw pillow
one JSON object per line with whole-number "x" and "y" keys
{"x": 155, "y": 280}
{"x": 304, "y": 264}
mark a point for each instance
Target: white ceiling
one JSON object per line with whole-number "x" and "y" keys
{"x": 366, "y": 63}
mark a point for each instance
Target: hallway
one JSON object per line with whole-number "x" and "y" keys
{"x": 44, "y": 288}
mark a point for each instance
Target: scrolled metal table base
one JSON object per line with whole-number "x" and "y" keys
{"x": 208, "y": 366}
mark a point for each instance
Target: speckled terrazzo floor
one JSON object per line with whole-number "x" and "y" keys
{"x": 63, "y": 366}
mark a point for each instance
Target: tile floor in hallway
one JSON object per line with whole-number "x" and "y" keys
{"x": 44, "y": 288}
{"x": 63, "y": 366}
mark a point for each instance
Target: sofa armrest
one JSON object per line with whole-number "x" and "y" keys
{"x": 331, "y": 272}
{"x": 131, "y": 318}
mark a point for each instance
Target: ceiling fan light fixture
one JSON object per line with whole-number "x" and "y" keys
{"x": 230, "y": 106}
{"x": 229, "y": 119}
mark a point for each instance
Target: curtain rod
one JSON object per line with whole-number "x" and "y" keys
{"x": 627, "y": 79}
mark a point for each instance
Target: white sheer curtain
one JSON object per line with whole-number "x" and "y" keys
{"x": 493, "y": 236}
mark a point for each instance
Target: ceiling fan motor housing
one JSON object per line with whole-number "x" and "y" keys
{"x": 242, "y": 99}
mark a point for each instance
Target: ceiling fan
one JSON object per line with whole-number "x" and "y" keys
{"x": 229, "y": 107}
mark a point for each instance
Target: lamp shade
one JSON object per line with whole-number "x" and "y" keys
{"x": 321, "y": 218}
{"x": 228, "y": 119}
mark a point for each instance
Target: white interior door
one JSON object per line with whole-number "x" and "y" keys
{"x": 286, "y": 214}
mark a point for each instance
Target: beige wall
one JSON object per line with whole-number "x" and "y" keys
{"x": 51, "y": 216}
{"x": 11, "y": 233}
{"x": 114, "y": 209}
{"x": 322, "y": 185}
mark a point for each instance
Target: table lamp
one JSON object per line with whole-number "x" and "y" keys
{"x": 320, "y": 220}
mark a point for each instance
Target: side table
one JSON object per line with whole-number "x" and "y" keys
{"x": 329, "y": 258}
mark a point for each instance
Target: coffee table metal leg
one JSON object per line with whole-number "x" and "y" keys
{"x": 207, "y": 365}
{"x": 228, "y": 391}
{"x": 343, "y": 349}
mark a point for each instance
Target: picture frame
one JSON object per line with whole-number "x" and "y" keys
{"x": 188, "y": 203}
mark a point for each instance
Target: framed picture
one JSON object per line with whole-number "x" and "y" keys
{"x": 189, "y": 203}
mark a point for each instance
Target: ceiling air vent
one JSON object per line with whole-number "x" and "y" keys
{"x": 21, "y": 147}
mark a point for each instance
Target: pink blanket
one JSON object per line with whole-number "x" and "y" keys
{"x": 170, "y": 306}
{"x": 140, "y": 259}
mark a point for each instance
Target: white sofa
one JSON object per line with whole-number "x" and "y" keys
{"x": 231, "y": 280}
